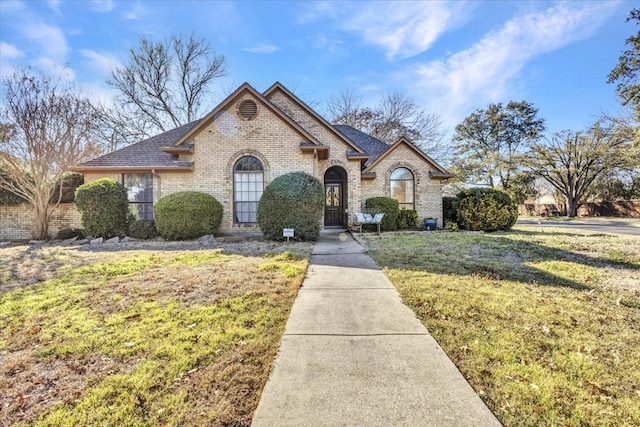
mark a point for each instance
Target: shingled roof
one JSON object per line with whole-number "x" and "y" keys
{"x": 145, "y": 154}
{"x": 370, "y": 145}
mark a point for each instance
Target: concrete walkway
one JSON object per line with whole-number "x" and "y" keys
{"x": 354, "y": 355}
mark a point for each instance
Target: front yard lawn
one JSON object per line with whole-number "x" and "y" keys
{"x": 544, "y": 324}
{"x": 142, "y": 337}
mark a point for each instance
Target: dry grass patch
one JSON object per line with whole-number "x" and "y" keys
{"x": 539, "y": 321}
{"x": 142, "y": 336}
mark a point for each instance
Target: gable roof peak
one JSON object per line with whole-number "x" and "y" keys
{"x": 279, "y": 86}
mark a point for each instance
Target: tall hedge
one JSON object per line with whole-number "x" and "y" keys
{"x": 104, "y": 207}
{"x": 294, "y": 200}
{"x": 187, "y": 215}
{"x": 387, "y": 205}
{"x": 450, "y": 209}
{"x": 486, "y": 209}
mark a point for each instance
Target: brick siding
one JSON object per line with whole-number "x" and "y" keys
{"x": 428, "y": 192}
{"x": 17, "y": 222}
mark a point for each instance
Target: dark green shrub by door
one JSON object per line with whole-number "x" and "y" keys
{"x": 407, "y": 219}
{"x": 104, "y": 207}
{"x": 187, "y": 215}
{"x": 294, "y": 200}
{"x": 486, "y": 209}
{"x": 389, "y": 207}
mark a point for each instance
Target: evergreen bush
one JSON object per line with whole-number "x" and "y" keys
{"x": 486, "y": 209}
{"x": 294, "y": 200}
{"x": 143, "y": 229}
{"x": 187, "y": 215}
{"x": 104, "y": 207}
{"x": 407, "y": 219}
{"x": 387, "y": 205}
{"x": 449, "y": 209}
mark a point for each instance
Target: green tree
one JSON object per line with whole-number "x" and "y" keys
{"x": 48, "y": 127}
{"x": 572, "y": 161}
{"x": 627, "y": 72}
{"x": 523, "y": 187}
{"x": 489, "y": 141}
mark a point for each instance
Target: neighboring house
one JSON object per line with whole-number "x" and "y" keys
{"x": 251, "y": 138}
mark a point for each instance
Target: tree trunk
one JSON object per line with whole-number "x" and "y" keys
{"x": 572, "y": 207}
{"x": 42, "y": 221}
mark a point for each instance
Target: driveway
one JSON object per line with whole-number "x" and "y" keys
{"x": 630, "y": 226}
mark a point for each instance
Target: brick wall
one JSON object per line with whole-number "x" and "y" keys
{"x": 428, "y": 192}
{"x": 227, "y": 139}
{"x": 17, "y": 221}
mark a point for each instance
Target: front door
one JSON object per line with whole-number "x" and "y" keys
{"x": 335, "y": 197}
{"x": 333, "y": 209}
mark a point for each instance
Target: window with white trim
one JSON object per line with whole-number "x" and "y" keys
{"x": 248, "y": 183}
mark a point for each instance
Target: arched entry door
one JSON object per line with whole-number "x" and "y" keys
{"x": 335, "y": 197}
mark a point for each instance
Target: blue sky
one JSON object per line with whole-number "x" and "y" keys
{"x": 451, "y": 57}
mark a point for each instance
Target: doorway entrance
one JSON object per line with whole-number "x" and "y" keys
{"x": 335, "y": 197}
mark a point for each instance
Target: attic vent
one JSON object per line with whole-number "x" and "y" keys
{"x": 247, "y": 109}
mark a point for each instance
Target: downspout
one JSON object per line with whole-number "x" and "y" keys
{"x": 157, "y": 190}
{"x": 315, "y": 163}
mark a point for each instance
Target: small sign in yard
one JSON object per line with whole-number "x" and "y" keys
{"x": 287, "y": 232}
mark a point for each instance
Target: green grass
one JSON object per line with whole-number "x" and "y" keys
{"x": 540, "y": 323}
{"x": 146, "y": 339}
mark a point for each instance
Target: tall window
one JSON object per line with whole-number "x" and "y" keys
{"x": 140, "y": 193}
{"x": 248, "y": 183}
{"x": 402, "y": 187}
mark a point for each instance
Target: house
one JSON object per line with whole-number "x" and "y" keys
{"x": 251, "y": 138}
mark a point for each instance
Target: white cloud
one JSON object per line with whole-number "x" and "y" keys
{"x": 401, "y": 28}
{"x": 103, "y": 62}
{"x": 136, "y": 12}
{"x": 51, "y": 40}
{"x": 54, "y": 68}
{"x": 9, "y": 51}
{"x": 314, "y": 11}
{"x": 54, "y": 5}
{"x": 484, "y": 72}
{"x": 262, "y": 48}
{"x": 404, "y": 29}
{"x": 104, "y": 6}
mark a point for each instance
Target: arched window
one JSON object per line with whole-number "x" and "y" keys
{"x": 402, "y": 187}
{"x": 248, "y": 183}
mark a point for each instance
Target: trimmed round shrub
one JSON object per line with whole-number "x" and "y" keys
{"x": 104, "y": 207}
{"x": 294, "y": 200}
{"x": 143, "y": 229}
{"x": 187, "y": 215}
{"x": 407, "y": 219}
{"x": 389, "y": 207}
{"x": 486, "y": 209}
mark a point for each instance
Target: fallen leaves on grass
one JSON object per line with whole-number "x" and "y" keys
{"x": 172, "y": 337}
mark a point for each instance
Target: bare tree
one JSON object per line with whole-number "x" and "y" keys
{"x": 163, "y": 85}
{"x": 571, "y": 161}
{"x": 396, "y": 115}
{"x": 48, "y": 127}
